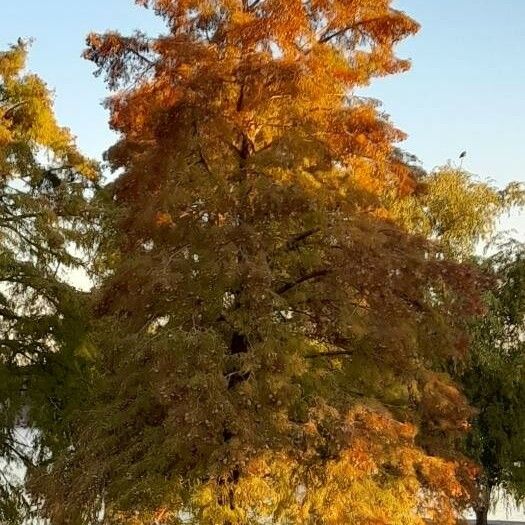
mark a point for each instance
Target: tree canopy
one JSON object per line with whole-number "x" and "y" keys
{"x": 270, "y": 342}
{"x": 289, "y": 323}
{"x": 43, "y": 214}
{"x": 455, "y": 208}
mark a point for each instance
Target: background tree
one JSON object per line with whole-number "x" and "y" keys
{"x": 269, "y": 345}
{"x": 454, "y": 207}
{"x": 494, "y": 382}
{"x": 43, "y": 223}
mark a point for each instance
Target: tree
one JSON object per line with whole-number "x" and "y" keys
{"x": 494, "y": 382}
{"x": 43, "y": 214}
{"x": 268, "y": 343}
{"x": 454, "y": 207}
{"x": 461, "y": 212}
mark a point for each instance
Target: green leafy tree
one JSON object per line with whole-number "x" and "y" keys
{"x": 43, "y": 228}
{"x": 494, "y": 382}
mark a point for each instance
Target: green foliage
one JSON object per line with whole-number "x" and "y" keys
{"x": 494, "y": 380}
{"x": 43, "y": 228}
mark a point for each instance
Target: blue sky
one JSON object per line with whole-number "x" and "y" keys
{"x": 466, "y": 89}
{"x": 58, "y": 28}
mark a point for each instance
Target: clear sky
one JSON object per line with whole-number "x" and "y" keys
{"x": 466, "y": 90}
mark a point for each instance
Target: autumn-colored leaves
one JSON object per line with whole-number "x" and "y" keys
{"x": 240, "y": 132}
{"x": 281, "y": 292}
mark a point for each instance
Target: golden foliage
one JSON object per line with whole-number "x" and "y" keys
{"x": 261, "y": 315}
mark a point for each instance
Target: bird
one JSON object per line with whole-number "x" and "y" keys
{"x": 462, "y": 158}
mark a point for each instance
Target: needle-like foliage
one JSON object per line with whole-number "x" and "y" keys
{"x": 269, "y": 340}
{"x": 43, "y": 218}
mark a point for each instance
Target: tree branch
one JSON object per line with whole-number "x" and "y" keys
{"x": 14, "y": 107}
{"x": 308, "y": 277}
{"x": 326, "y": 36}
{"x": 294, "y": 241}
{"x": 334, "y": 353}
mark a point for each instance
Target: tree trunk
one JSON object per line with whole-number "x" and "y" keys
{"x": 482, "y": 516}
{"x": 483, "y": 504}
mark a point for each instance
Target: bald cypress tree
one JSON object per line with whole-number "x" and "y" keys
{"x": 269, "y": 340}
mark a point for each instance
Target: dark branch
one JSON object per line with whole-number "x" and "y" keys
{"x": 326, "y": 37}
{"x": 294, "y": 241}
{"x": 308, "y": 277}
{"x": 335, "y": 353}
{"x": 14, "y": 107}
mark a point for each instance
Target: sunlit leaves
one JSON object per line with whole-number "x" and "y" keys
{"x": 459, "y": 211}
{"x": 268, "y": 338}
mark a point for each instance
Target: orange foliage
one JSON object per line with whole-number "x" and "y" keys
{"x": 255, "y": 345}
